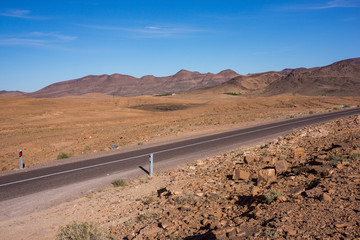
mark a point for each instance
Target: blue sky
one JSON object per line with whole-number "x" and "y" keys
{"x": 42, "y": 42}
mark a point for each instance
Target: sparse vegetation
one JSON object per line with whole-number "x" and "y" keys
{"x": 63, "y": 155}
{"x": 355, "y": 156}
{"x": 148, "y": 201}
{"x": 163, "y": 95}
{"x": 233, "y": 94}
{"x": 145, "y": 216}
{"x": 265, "y": 153}
{"x": 272, "y": 196}
{"x": 80, "y": 231}
{"x": 119, "y": 183}
{"x": 311, "y": 112}
{"x": 295, "y": 170}
{"x": 87, "y": 148}
{"x": 335, "y": 159}
{"x": 187, "y": 198}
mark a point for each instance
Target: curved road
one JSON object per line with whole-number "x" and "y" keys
{"x": 29, "y": 182}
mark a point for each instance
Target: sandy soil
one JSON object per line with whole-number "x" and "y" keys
{"x": 44, "y": 128}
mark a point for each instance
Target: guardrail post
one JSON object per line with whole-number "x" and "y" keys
{"x": 21, "y": 160}
{"x": 151, "y": 161}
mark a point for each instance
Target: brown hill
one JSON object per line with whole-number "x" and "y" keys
{"x": 338, "y": 79}
{"x": 126, "y": 86}
{"x": 246, "y": 83}
{"x": 11, "y": 94}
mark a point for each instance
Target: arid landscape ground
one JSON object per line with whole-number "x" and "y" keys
{"x": 45, "y": 128}
{"x": 304, "y": 185}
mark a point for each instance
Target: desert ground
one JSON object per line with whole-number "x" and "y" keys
{"x": 303, "y": 185}
{"x": 72, "y": 126}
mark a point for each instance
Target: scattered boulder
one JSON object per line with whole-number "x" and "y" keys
{"x": 266, "y": 176}
{"x": 326, "y": 197}
{"x": 299, "y": 153}
{"x": 281, "y": 166}
{"x": 241, "y": 175}
{"x": 249, "y": 159}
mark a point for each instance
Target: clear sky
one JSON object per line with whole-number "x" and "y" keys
{"x": 43, "y": 42}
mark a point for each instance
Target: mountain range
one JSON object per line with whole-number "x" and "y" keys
{"x": 338, "y": 79}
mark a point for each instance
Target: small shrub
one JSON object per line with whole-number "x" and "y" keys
{"x": 295, "y": 170}
{"x": 187, "y": 198}
{"x": 80, "y": 231}
{"x": 87, "y": 148}
{"x": 346, "y": 106}
{"x": 311, "y": 112}
{"x": 358, "y": 105}
{"x": 335, "y": 159}
{"x": 355, "y": 157}
{"x": 63, "y": 155}
{"x": 148, "y": 201}
{"x": 265, "y": 153}
{"x": 119, "y": 183}
{"x": 145, "y": 216}
{"x": 272, "y": 196}
{"x": 163, "y": 95}
{"x": 233, "y": 94}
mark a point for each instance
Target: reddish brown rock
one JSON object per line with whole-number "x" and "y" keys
{"x": 281, "y": 166}
{"x": 241, "y": 174}
{"x": 249, "y": 159}
{"x": 266, "y": 176}
{"x": 299, "y": 153}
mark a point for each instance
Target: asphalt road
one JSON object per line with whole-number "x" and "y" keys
{"x": 29, "y": 182}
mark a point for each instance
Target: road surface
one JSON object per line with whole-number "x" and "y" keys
{"x": 25, "y": 183}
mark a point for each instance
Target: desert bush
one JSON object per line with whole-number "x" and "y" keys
{"x": 80, "y": 231}
{"x": 119, "y": 183}
{"x": 335, "y": 159}
{"x": 355, "y": 156}
{"x": 232, "y": 93}
{"x": 272, "y": 196}
{"x": 63, "y": 155}
{"x": 148, "y": 215}
{"x": 148, "y": 201}
{"x": 311, "y": 112}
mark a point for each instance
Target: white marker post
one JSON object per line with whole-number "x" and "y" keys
{"x": 151, "y": 161}
{"x": 21, "y": 160}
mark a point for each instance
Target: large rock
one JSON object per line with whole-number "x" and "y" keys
{"x": 266, "y": 176}
{"x": 299, "y": 153}
{"x": 281, "y": 166}
{"x": 241, "y": 175}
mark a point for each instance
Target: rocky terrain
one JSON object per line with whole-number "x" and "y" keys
{"x": 338, "y": 79}
{"x": 304, "y": 185}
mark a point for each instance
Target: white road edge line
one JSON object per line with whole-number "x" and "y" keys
{"x": 167, "y": 150}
